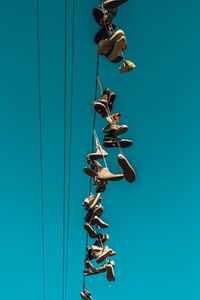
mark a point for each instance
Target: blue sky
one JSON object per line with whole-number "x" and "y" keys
{"x": 154, "y": 222}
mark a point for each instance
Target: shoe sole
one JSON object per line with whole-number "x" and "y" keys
{"x": 117, "y": 178}
{"x": 101, "y": 258}
{"x": 90, "y": 230}
{"x": 116, "y": 132}
{"x": 121, "y": 144}
{"x": 110, "y": 273}
{"x": 113, "y": 4}
{"x": 100, "y": 109}
{"x": 117, "y": 48}
{"x": 108, "y": 43}
{"x": 129, "y": 173}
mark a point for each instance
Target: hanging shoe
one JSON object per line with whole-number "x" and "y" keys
{"x": 104, "y": 17}
{"x": 90, "y": 172}
{"x": 119, "y": 46}
{"x": 101, "y": 238}
{"x": 112, "y": 141}
{"x": 96, "y": 221}
{"x": 92, "y": 233}
{"x": 126, "y": 67}
{"x": 86, "y": 295}
{"x": 98, "y": 210}
{"x": 129, "y": 173}
{"x": 106, "y": 45}
{"x": 90, "y": 202}
{"x": 111, "y": 4}
{"x": 115, "y": 129}
{"x": 117, "y": 60}
{"x": 93, "y": 271}
{"x": 106, "y": 251}
{"x": 102, "y": 34}
{"x": 101, "y": 187}
{"x": 99, "y": 154}
{"x": 105, "y": 174}
{"x": 110, "y": 270}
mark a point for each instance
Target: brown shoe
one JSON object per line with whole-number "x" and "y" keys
{"x": 110, "y": 271}
{"x": 92, "y": 233}
{"x": 119, "y": 46}
{"x": 115, "y": 129}
{"x": 129, "y": 173}
{"x": 90, "y": 172}
{"x": 106, "y": 45}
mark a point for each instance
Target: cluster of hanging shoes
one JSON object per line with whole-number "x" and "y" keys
{"x": 110, "y": 45}
{"x": 111, "y": 42}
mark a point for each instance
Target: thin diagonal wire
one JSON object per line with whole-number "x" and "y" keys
{"x": 70, "y": 132}
{"x": 64, "y": 157}
{"x": 41, "y": 160}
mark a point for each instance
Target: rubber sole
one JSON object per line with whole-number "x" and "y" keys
{"x": 102, "y": 257}
{"x": 119, "y": 45}
{"x": 121, "y": 144}
{"x": 107, "y": 45}
{"x": 129, "y": 173}
{"x": 111, "y": 4}
{"x": 110, "y": 273}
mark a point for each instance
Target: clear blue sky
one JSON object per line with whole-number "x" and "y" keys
{"x": 154, "y": 222}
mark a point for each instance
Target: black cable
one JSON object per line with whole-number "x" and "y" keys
{"x": 70, "y": 139}
{"x": 41, "y": 160}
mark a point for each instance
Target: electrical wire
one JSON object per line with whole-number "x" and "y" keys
{"x": 41, "y": 159}
{"x": 65, "y": 260}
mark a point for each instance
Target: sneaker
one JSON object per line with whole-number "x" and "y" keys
{"x": 110, "y": 4}
{"x": 102, "y": 34}
{"x": 90, "y": 172}
{"x": 89, "y": 253}
{"x": 96, "y": 221}
{"x": 126, "y": 67}
{"x": 93, "y": 163}
{"x": 115, "y": 129}
{"x": 88, "y": 264}
{"x": 106, "y": 45}
{"x": 101, "y": 238}
{"x": 93, "y": 271}
{"x": 95, "y": 202}
{"x": 110, "y": 270}
{"x": 117, "y": 60}
{"x": 129, "y": 173}
{"x": 92, "y": 233}
{"x": 88, "y": 217}
{"x": 88, "y": 201}
{"x": 104, "y": 254}
{"x": 105, "y": 174}
{"x": 103, "y": 17}
{"x": 119, "y": 46}
{"x": 86, "y": 295}
{"x": 101, "y": 188}
{"x": 99, "y": 154}
{"x": 110, "y": 142}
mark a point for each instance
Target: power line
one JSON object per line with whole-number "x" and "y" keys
{"x": 65, "y": 258}
{"x": 41, "y": 160}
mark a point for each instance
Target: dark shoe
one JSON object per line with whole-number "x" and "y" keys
{"x": 101, "y": 238}
{"x": 108, "y": 43}
{"x": 115, "y": 129}
{"x": 129, "y": 173}
{"x": 86, "y": 295}
{"x": 104, "y": 18}
{"x": 110, "y": 142}
{"x": 111, "y": 4}
{"x": 117, "y": 60}
{"x": 90, "y": 172}
{"x": 110, "y": 270}
{"x": 100, "y": 188}
{"x": 92, "y": 233}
